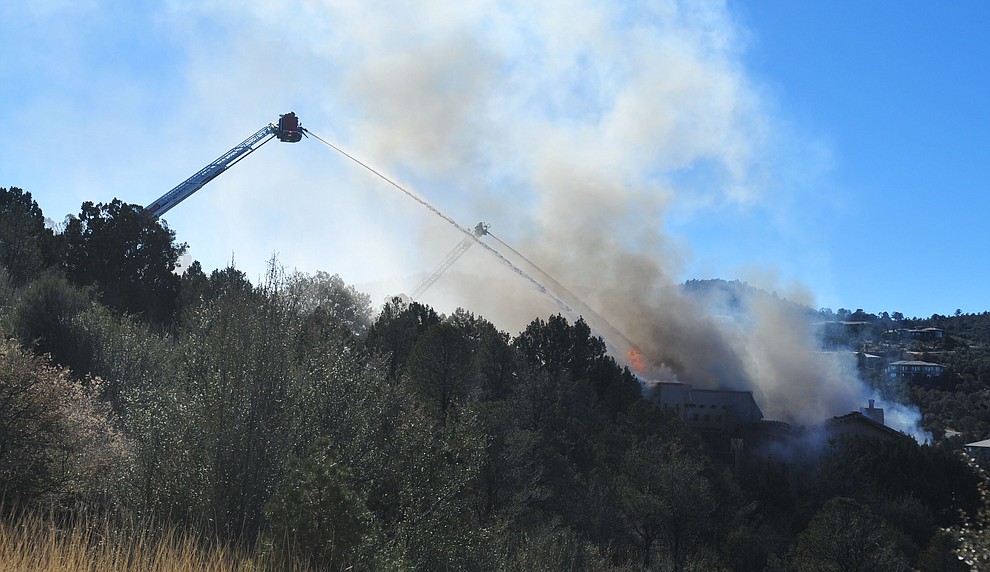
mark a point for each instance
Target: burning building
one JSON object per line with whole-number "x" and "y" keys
{"x": 715, "y": 414}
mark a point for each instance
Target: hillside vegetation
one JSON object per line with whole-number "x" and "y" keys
{"x": 288, "y": 424}
{"x": 956, "y": 404}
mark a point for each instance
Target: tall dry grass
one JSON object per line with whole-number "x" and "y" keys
{"x": 35, "y": 544}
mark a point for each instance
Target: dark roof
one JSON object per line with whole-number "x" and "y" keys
{"x": 857, "y": 419}
{"x": 766, "y": 429}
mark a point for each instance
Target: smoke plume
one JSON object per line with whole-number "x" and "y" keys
{"x": 579, "y": 130}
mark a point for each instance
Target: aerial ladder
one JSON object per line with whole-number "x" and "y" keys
{"x": 288, "y": 130}
{"x": 481, "y": 229}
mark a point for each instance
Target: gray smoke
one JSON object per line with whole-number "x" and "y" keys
{"x": 568, "y": 128}
{"x": 578, "y": 129}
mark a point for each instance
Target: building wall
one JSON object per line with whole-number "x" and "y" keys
{"x": 715, "y": 414}
{"x": 908, "y": 369}
{"x": 671, "y": 396}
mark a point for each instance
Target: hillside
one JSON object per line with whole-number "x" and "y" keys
{"x": 955, "y": 402}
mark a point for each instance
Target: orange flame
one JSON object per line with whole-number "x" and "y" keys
{"x": 636, "y": 360}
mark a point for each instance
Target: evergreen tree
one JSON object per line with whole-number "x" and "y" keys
{"x": 26, "y": 245}
{"x": 129, "y": 257}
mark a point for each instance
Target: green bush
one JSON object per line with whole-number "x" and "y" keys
{"x": 42, "y": 319}
{"x": 317, "y": 515}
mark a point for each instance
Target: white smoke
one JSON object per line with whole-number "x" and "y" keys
{"x": 905, "y": 419}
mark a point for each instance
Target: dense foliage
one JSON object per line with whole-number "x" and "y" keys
{"x": 293, "y": 417}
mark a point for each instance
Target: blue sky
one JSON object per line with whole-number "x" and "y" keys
{"x": 898, "y": 92}
{"x": 834, "y": 152}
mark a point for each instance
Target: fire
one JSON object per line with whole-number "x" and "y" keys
{"x": 636, "y": 360}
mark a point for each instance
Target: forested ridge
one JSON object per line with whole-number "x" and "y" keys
{"x": 297, "y": 425}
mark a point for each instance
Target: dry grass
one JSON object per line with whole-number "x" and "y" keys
{"x": 34, "y": 544}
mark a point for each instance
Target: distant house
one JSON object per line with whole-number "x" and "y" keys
{"x": 869, "y": 362}
{"x": 921, "y": 334}
{"x": 841, "y": 328}
{"x": 913, "y": 369}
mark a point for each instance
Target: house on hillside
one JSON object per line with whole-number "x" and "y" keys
{"x": 842, "y": 327}
{"x": 920, "y": 334}
{"x": 775, "y": 437}
{"x": 840, "y": 333}
{"x": 858, "y": 424}
{"x": 914, "y": 369}
{"x": 869, "y": 362}
{"x": 783, "y": 455}
{"x": 927, "y": 334}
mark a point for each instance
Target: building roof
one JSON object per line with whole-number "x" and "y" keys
{"x": 857, "y": 423}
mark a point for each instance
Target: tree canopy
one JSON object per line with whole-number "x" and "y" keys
{"x": 26, "y": 244}
{"x": 129, "y": 256}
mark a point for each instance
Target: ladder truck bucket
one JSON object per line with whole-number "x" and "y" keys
{"x": 289, "y": 129}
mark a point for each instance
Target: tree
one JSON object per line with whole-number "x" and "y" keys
{"x": 941, "y": 555}
{"x": 317, "y": 514}
{"x": 26, "y": 245}
{"x": 845, "y": 536}
{"x": 240, "y": 370}
{"x": 8, "y": 295}
{"x": 228, "y": 281}
{"x": 557, "y": 347}
{"x": 494, "y": 361}
{"x": 866, "y": 468}
{"x": 664, "y": 497}
{"x": 333, "y": 298}
{"x": 56, "y": 441}
{"x": 438, "y": 368}
{"x": 43, "y": 316}
{"x": 549, "y": 345}
{"x": 974, "y": 543}
{"x": 127, "y": 255}
{"x": 396, "y": 329}
{"x": 193, "y": 287}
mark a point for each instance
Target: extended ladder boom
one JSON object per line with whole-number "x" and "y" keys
{"x": 481, "y": 229}
{"x": 288, "y": 130}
